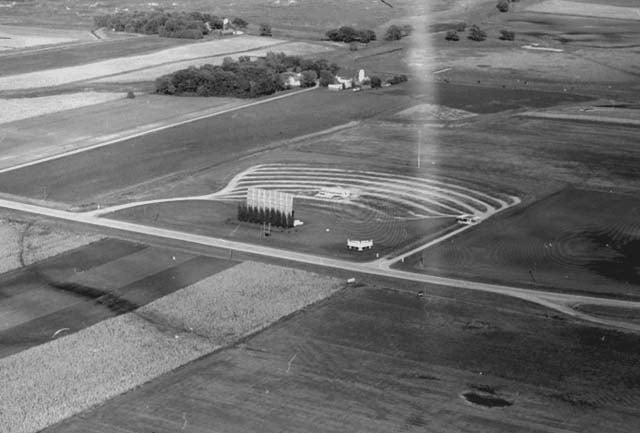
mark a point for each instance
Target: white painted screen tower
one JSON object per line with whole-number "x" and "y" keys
{"x": 269, "y": 199}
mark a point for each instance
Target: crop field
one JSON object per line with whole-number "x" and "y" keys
{"x": 18, "y": 37}
{"x": 34, "y": 138}
{"x": 600, "y": 10}
{"x": 150, "y": 74}
{"x": 576, "y": 240}
{"x": 52, "y": 381}
{"x": 86, "y": 285}
{"x": 91, "y": 71}
{"x": 74, "y": 55}
{"x": 187, "y": 149}
{"x": 377, "y": 359}
{"x": 308, "y": 16}
{"x": 25, "y": 243}
{"x": 24, "y": 108}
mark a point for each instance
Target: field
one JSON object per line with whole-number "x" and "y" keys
{"x": 24, "y": 243}
{"x": 119, "y": 65}
{"x": 188, "y": 149}
{"x": 35, "y": 138}
{"x": 375, "y": 359}
{"x": 52, "y": 381}
{"x": 600, "y": 10}
{"x": 19, "y": 37}
{"x": 577, "y": 240}
{"x": 24, "y": 108}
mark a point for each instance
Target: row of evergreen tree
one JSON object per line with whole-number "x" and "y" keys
{"x": 269, "y": 216}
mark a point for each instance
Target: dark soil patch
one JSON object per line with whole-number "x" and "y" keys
{"x": 486, "y": 400}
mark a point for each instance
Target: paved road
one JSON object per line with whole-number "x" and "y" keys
{"x": 561, "y": 302}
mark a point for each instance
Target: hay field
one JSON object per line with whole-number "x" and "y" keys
{"x": 60, "y": 76}
{"x": 603, "y": 10}
{"x": 50, "y": 382}
{"x": 23, "y": 243}
{"x": 150, "y": 74}
{"x": 25, "y": 108}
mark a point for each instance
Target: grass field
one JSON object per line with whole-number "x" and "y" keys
{"x": 378, "y": 360}
{"x": 19, "y": 37}
{"x": 576, "y": 240}
{"x": 325, "y": 231}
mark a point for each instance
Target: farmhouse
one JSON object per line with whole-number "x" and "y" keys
{"x": 291, "y": 79}
{"x": 359, "y": 245}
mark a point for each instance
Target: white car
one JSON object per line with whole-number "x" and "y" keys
{"x": 468, "y": 219}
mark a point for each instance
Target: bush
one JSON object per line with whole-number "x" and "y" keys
{"x": 395, "y": 33}
{"x": 461, "y": 27}
{"x": 476, "y": 34}
{"x": 452, "y": 35}
{"x": 507, "y": 35}
{"x": 131, "y": 95}
{"x": 265, "y": 29}
{"x": 376, "y": 82}
{"x": 503, "y": 5}
{"x": 397, "y": 79}
{"x": 239, "y": 23}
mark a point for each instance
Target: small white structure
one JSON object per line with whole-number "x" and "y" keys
{"x": 333, "y": 192}
{"x": 335, "y": 87}
{"x": 361, "y": 76}
{"x": 359, "y": 245}
{"x": 468, "y": 219}
{"x": 347, "y": 83}
{"x": 297, "y": 223}
{"x": 291, "y": 79}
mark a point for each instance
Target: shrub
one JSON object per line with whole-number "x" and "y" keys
{"x": 476, "y": 34}
{"x": 397, "y": 79}
{"x": 395, "y": 33}
{"x": 130, "y": 94}
{"x": 461, "y": 27}
{"x": 507, "y": 35}
{"x": 265, "y": 29}
{"x": 452, "y": 35}
{"x": 239, "y": 23}
{"x": 503, "y": 5}
{"x": 376, "y": 82}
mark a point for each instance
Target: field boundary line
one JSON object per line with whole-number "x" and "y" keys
{"x": 582, "y": 118}
{"x": 151, "y": 131}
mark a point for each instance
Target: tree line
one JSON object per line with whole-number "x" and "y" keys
{"x": 245, "y": 78}
{"x": 191, "y": 25}
{"x": 258, "y": 215}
